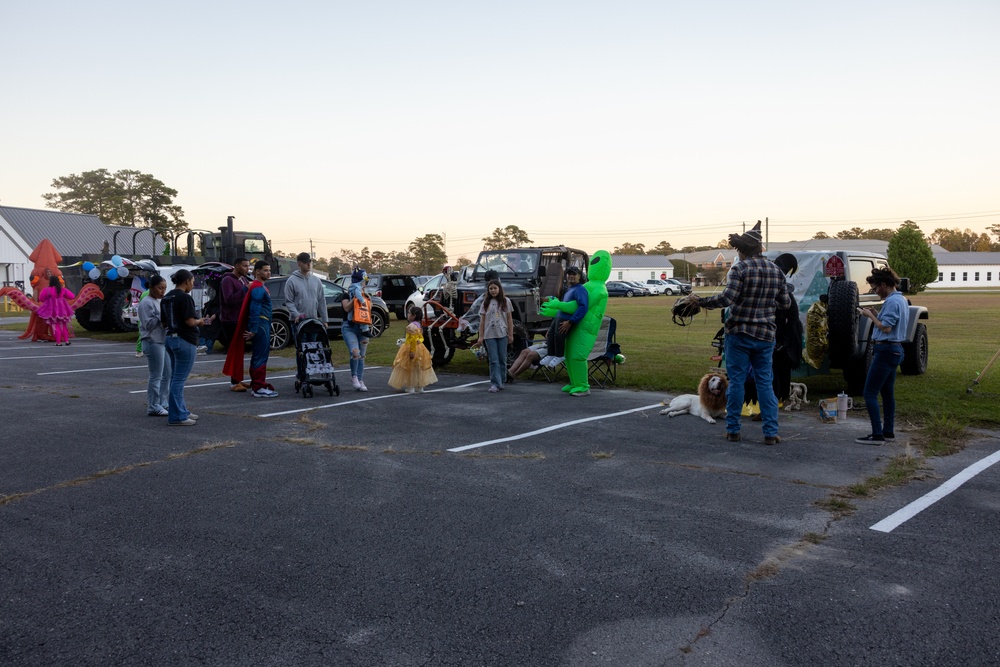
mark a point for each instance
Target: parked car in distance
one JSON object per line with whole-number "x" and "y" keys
{"x": 393, "y": 288}
{"x": 656, "y": 286}
{"x": 675, "y": 286}
{"x": 281, "y": 325}
{"x": 640, "y": 289}
{"x": 420, "y": 280}
{"x": 416, "y": 298}
{"x": 621, "y": 288}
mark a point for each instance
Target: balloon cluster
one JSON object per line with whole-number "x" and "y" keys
{"x": 117, "y": 270}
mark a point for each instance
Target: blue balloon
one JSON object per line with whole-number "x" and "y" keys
{"x": 117, "y": 260}
{"x": 112, "y": 274}
{"x": 87, "y": 266}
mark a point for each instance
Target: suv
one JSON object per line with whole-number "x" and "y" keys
{"x": 529, "y": 277}
{"x": 834, "y": 276}
{"x": 393, "y": 288}
{"x": 281, "y": 327}
{"x": 673, "y": 286}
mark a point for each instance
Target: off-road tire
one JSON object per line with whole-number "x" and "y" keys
{"x": 441, "y": 350}
{"x": 83, "y": 316}
{"x": 843, "y": 319}
{"x": 915, "y": 353}
{"x": 114, "y": 311}
{"x": 856, "y": 372}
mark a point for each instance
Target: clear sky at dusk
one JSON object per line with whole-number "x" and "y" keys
{"x": 586, "y": 123}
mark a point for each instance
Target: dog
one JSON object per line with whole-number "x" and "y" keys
{"x": 709, "y": 403}
{"x": 797, "y": 395}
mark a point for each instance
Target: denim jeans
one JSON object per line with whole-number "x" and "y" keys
{"x": 181, "y": 355}
{"x": 496, "y": 350}
{"x": 882, "y": 380}
{"x": 743, "y": 353}
{"x": 355, "y": 339}
{"x": 158, "y": 384}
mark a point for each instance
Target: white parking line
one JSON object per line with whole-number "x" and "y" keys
{"x": 369, "y": 398}
{"x": 63, "y": 356}
{"x": 119, "y": 368}
{"x": 554, "y": 427}
{"x": 895, "y": 519}
{"x": 269, "y": 377}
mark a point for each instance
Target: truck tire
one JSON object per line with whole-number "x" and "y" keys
{"x": 441, "y": 344}
{"x": 856, "y": 373}
{"x": 114, "y": 311}
{"x": 83, "y": 316}
{"x": 843, "y": 318}
{"x": 915, "y": 353}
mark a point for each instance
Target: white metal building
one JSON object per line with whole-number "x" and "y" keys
{"x": 641, "y": 267}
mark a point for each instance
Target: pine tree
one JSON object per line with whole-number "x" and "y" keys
{"x": 910, "y": 256}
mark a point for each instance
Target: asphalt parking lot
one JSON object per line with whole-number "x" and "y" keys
{"x": 460, "y": 528}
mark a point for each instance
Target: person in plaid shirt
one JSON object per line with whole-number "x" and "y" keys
{"x": 755, "y": 287}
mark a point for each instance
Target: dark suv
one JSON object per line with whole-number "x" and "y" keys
{"x": 281, "y": 328}
{"x": 393, "y": 288}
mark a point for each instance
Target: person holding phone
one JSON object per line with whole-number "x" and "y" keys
{"x": 180, "y": 323}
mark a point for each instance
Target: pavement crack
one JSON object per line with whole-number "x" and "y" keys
{"x": 111, "y": 472}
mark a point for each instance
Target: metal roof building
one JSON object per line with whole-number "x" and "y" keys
{"x": 73, "y": 234}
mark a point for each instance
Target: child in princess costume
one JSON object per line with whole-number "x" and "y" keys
{"x": 412, "y": 370}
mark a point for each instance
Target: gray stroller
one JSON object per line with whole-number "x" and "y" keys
{"x": 312, "y": 357}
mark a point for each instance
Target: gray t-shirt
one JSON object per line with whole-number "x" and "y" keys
{"x": 150, "y": 327}
{"x": 496, "y": 320}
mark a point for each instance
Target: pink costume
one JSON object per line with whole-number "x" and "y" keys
{"x": 55, "y": 309}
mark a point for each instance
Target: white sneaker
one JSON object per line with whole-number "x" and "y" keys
{"x": 411, "y": 390}
{"x": 361, "y": 386}
{"x": 138, "y": 354}
{"x": 555, "y": 361}
{"x": 264, "y": 393}
{"x": 201, "y": 350}
{"x": 355, "y": 383}
{"x": 420, "y": 390}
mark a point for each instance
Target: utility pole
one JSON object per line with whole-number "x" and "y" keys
{"x": 311, "y": 251}
{"x": 767, "y": 232}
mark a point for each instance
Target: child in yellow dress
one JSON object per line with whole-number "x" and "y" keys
{"x": 412, "y": 370}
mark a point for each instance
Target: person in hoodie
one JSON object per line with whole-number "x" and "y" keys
{"x": 304, "y": 299}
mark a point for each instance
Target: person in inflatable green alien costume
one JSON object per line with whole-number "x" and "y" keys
{"x": 582, "y": 337}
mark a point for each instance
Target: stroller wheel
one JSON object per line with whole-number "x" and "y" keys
{"x": 306, "y": 391}
{"x": 336, "y": 389}
{"x": 329, "y": 387}
{"x": 298, "y": 385}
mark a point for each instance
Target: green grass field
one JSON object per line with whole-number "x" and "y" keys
{"x": 661, "y": 356}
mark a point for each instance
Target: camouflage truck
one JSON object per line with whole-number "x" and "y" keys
{"x": 529, "y": 276}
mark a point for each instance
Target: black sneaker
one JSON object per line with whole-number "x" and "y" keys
{"x": 889, "y": 437}
{"x": 871, "y": 440}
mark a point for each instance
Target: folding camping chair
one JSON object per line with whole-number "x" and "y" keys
{"x": 602, "y": 369}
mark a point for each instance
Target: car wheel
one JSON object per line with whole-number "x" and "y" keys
{"x": 669, "y": 292}
{"x": 378, "y": 324}
{"x": 630, "y": 293}
{"x": 281, "y": 333}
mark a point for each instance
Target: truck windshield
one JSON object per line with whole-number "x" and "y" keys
{"x": 508, "y": 262}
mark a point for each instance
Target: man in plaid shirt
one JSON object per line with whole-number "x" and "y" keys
{"x": 755, "y": 287}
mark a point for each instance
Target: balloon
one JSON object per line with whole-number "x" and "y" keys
{"x": 94, "y": 273}
{"x": 88, "y": 266}
{"x": 123, "y": 272}
{"x": 112, "y": 274}
{"x": 117, "y": 260}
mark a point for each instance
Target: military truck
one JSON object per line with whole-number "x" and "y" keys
{"x": 116, "y": 311}
{"x": 839, "y": 278}
{"x": 529, "y": 276}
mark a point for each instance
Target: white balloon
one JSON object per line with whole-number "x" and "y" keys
{"x": 122, "y": 272}
{"x": 95, "y": 273}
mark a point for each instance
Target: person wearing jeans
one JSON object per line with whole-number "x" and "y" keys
{"x": 152, "y": 338}
{"x": 355, "y": 335}
{"x": 755, "y": 289}
{"x": 889, "y": 328}
{"x": 180, "y": 321}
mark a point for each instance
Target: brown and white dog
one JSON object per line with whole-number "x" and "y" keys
{"x": 709, "y": 403}
{"x": 797, "y": 395}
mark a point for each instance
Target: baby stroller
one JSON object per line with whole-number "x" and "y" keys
{"x": 312, "y": 356}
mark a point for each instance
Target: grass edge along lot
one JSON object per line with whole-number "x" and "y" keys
{"x": 661, "y": 356}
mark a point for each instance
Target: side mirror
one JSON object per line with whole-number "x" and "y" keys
{"x": 541, "y": 271}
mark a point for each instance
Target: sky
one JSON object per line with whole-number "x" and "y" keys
{"x": 588, "y": 124}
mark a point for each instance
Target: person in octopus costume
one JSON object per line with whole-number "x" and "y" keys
{"x": 583, "y": 336}
{"x": 253, "y": 325}
{"x": 55, "y": 309}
